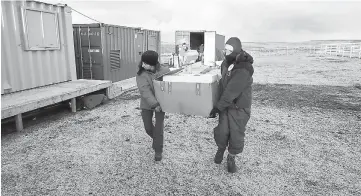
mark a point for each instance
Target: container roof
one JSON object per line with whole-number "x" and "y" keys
{"x": 59, "y": 4}
{"x": 97, "y": 25}
{"x": 192, "y": 31}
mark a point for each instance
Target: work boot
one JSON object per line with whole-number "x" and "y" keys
{"x": 231, "y": 164}
{"x": 158, "y": 156}
{"x": 219, "y": 156}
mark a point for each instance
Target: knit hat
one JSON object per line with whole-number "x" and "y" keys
{"x": 150, "y": 57}
{"x": 236, "y": 44}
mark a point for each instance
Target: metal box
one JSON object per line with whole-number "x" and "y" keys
{"x": 187, "y": 94}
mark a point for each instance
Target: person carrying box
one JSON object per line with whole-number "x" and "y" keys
{"x": 149, "y": 69}
{"x": 234, "y": 102}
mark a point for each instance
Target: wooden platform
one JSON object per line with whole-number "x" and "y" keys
{"x": 15, "y": 104}
{"x": 117, "y": 88}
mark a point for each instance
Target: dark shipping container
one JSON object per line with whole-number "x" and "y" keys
{"x": 111, "y": 52}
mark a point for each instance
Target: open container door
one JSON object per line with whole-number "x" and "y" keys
{"x": 209, "y": 48}
{"x": 182, "y": 36}
{"x": 220, "y": 42}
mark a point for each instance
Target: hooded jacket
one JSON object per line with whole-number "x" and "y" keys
{"x": 146, "y": 87}
{"x": 235, "y": 87}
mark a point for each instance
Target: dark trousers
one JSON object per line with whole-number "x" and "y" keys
{"x": 155, "y": 132}
{"x": 231, "y": 128}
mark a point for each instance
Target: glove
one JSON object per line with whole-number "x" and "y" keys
{"x": 214, "y": 112}
{"x": 158, "y": 109}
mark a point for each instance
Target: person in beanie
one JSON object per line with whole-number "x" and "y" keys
{"x": 149, "y": 69}
{"x": 234, "y": 102}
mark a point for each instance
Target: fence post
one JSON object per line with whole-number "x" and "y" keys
{"x": 351, "y": 50}
{"x": 343, "y": 50}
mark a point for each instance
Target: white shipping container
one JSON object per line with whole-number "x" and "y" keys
{"x": 36, "y": 45}
{"x": 213, "y": 43}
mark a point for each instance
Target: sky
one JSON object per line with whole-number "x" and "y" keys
{"x": 251, "y": 21}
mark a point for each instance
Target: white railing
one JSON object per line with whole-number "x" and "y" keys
{"x": 349, "y": 50}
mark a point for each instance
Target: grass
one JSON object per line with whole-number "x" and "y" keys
{"x": 299, "y": 96}
{"x": 302, "y": 139}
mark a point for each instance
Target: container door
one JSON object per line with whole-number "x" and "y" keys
{"x": 152, "y": 43}
{"x": 181, "y": 37}
{"x": 91, "y": 58}
{"x": 209, "y": 48}
{"x": 139, "y": 45}
{"x": 220, "y": 42}
{"x": 77, "y": 50}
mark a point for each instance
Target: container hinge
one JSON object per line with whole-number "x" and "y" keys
{"x": 162, "y": 86}
{"x": 169, "y": 87}
{"x": 198, "y": 89}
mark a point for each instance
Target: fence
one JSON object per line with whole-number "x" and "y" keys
{"x": 351, "y": 50}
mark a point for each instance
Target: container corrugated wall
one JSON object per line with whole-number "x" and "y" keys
{"x": 22, "y": 65}
{"x": 122, "y": 39}
{"x": 152, "y": 40}
{"x": 115, "y": 52}
{"x": 181, "y": 37}
{"x": 132, "y": 42}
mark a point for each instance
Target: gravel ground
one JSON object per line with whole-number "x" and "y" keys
{"x": 303, "y": 139}
{"x": 305, "y": 150}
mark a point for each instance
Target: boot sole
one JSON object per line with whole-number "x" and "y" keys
{"x": 158, "y": 158}
{"x": 218, "y": 162}
{"x": 232, "y": 171}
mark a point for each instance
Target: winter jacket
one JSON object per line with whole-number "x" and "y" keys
{"x": 235, "y": 87}
{"x": 244, "y": 56}
{"x": 146, "y": 87}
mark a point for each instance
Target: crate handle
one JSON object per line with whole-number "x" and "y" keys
{"x": 198, "y": 89}
{"x": 162, "y": 86}
{"x": 169, "y": 87}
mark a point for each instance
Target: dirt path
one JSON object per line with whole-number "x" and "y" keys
{"x": 301, "y": 140}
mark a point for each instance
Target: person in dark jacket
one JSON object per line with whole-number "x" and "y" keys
{"x": 234, "y": 102}
{"x": 149, "y": 69}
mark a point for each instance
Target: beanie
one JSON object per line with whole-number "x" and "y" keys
{"x": 150, "y": 57}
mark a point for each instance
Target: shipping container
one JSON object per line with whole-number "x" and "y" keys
{"x": 213, "y": 43}
{"x": 36, "y": 45}
{"x": 111, "y": 52}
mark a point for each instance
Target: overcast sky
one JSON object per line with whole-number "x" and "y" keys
{"x": 250, "y": 21}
